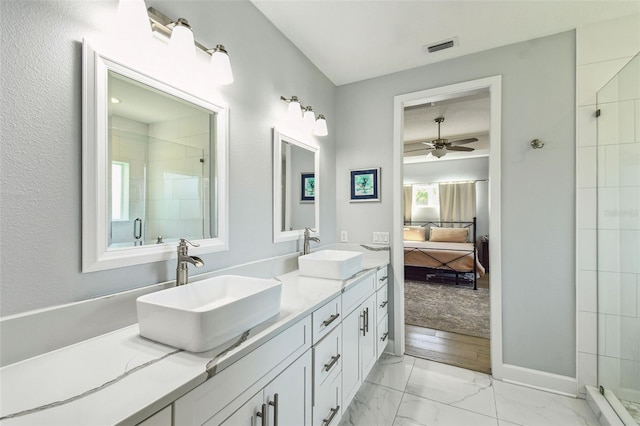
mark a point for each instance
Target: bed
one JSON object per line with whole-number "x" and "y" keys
{"x": 442, "y": 251}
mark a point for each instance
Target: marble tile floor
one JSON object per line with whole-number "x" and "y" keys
{"x": 408, "y": 391}
{"x": 633, "y": 408}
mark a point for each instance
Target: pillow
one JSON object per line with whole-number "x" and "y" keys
{"x": 449, "y": 235}
{"x": 414, "y": 233}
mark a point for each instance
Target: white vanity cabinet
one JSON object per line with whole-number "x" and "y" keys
{"x": 284, "y": 401}
{"x": 359, "y": 347}
{"x": 282, "y": 365}
{"x": 327, "y": 379}
{"x": 382, "y": 309}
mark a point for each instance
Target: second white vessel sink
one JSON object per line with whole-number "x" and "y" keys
{"x": 332, "y": 264}
{"x": 202, "y": 315}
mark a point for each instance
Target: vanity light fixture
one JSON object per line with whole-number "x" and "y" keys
{"x": 308, "y": 119}
{"x": 320, "y": 129}
{"x": 304, "y": 116}
{"x": 182, "y": 42}
{"x": 294, "y": 111}
{"x": 181, "y": 38}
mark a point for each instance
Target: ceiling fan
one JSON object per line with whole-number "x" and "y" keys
{"x": 439, "y": 147}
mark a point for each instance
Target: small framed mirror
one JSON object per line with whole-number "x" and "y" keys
{"x": 296, "y": 188}
{"x": 154, "y": 167}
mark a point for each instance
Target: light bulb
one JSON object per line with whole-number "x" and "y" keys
{"x": 439, "y": 152}
{"x": 221, "y": 66}
{"x": 182, "y": 43}
{"x": 294, "y": 112}
{"x": 320, "y": 128}
{"x": 308, "y": 119}
{"x": 132, "y": 20}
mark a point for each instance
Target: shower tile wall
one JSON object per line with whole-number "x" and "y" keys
{"x": 175, "y": 203}
{"x": 602, "y": 50}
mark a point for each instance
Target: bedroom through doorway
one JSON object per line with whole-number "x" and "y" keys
{"x": 446, "y": 230}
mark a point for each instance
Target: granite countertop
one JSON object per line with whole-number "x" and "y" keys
{"x": 123, "y": 377}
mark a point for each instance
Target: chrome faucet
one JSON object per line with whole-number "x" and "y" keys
{"x": 182, "y": 273}
{"x": 307, "y": 238}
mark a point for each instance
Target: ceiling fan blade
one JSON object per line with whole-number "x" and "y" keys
{"x": 463, "y": 141}
{"x": 429, "y": 144}
{"x": 459, "y": 148}
{"x": 417, "y": 150}
{"x": 416, "y": 153}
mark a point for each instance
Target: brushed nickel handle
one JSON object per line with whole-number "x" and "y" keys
{"x": 328, "y": 420}
{"x": 366, "y": 323}
{"x": 274, "y": 404}
{"x": 331, "y": 363}
{"x": 383, "y": 278}
{"x": 383, "y": 304}
{"x": 364, "y": 327}
{"x": 331, "y": 319}
{"x": 263, "y": 415}
{"x": 384, "y": 336}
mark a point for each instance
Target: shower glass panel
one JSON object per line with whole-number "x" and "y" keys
{"x": 618, "y": 232}
{"x": 159, "y": 189}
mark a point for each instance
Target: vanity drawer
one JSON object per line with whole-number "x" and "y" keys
{"x": 357, "y": 293}
{"x": 382, "y": 335}
{"x": 382, "y": 277}
{"x": 327, "y": 357}
{"x": 326, "y": 318}
{"x": 382, "y": 302}
{"x": 327, "y": 409}
{"x": 261, "y": 365}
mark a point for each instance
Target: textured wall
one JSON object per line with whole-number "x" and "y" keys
{"x": 538, "y": 187}
{"x": 41, "y": 143}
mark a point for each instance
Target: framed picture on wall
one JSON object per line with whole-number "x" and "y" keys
{"x": 365, "y": 185}
{"x": 307, "y": 187}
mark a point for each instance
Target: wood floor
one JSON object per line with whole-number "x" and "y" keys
{"x": 449, "y": 348}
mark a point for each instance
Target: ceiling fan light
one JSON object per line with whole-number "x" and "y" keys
{"x": 439, "y": 152}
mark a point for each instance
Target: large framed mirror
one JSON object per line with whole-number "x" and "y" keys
{"x": 154, "y": 166}
{"x": 296, "y": 188}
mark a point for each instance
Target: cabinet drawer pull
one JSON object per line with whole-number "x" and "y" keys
{"x": 263, "y": 415}
{"x": 363, "y": 315}
{"x": 328, "y": 420}
{"x": 383, "y": 304}
{"x": 383, "y": 278}
{"x": 331, "y": 319}
{"x": 331, "y": 363}
{"x": 384, "y": 336}
{"x": 366, "y": 323}
{"x": 274, "y": 404}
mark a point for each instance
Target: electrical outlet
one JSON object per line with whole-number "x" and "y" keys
{"x": 343, "y": 236}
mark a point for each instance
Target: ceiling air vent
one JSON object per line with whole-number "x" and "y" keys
{"x": 441, "y": 45}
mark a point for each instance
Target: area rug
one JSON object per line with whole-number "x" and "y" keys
{"x": 447, "y": 307}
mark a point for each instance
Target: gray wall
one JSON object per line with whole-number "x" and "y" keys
{"x": 41, "y": 143}
{"x": 538, "y": 216}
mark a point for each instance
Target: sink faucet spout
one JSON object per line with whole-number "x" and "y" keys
{"x": 182, "y": 271}
{"x": 307, "y": 239}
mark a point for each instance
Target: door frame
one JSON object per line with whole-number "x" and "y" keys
{"x": 494, "y": 85}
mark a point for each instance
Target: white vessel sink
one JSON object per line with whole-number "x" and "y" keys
{"x": 202, "y": 315}
{"x": 333, "y": 264}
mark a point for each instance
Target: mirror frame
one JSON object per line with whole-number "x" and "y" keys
{"x": 279, "y": 235}
{"x": 95, "y": 146}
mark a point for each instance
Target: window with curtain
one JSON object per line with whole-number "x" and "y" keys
{"x": 457, "y": 201}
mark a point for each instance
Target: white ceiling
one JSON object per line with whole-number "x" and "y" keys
{"x": 464, "y": 117}
{"x": 353, "y": 40}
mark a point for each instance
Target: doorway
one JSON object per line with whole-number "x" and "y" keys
{"x": 492, "y": 85}
{"x": 446, "y": 230}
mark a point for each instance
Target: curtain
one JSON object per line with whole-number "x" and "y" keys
{"x": 457, "y": 201}
{"x": 408, "y": 202}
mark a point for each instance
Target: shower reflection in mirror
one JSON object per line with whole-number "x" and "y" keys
{"x": 159, "y": 149}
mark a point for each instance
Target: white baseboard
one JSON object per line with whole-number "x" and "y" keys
{"x": 541, "y": 380}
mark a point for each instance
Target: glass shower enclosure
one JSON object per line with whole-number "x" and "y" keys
{"x": 618, "y": 234}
